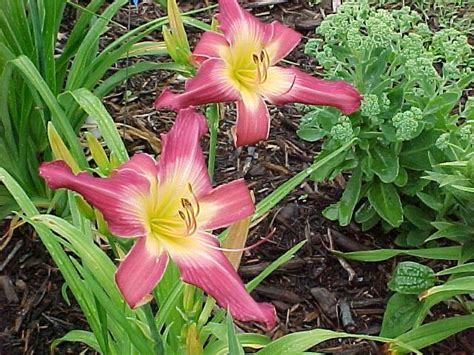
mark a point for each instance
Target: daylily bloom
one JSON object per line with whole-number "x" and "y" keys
{"x": 239, "y": 65}
{"x": 170, "y": 206}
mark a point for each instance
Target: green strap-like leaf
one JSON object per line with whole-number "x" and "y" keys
{"x": 445, "y": 253}
{"x": 94, "y": 108}
{"x": 79, "y": 336}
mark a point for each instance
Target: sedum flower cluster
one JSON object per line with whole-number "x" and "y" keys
{"x": 411, "y": 79}
{"x": 407, "y": 123}
{"x": 342, "y": 132}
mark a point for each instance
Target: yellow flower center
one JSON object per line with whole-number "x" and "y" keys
{"x": 247, "y": 65}
{"x": 173, "y": 217}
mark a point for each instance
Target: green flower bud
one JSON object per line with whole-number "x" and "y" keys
{"x": 384, "y": 102}
{"x": 466, "y": 132}
{"x": 442, "y": 141}
{"x": 311, "y": 47}
{"x": 452, "y": 45}
{"x": 412, "y": 47}
{"x": 406, "y": 123}
{"x": 342, "y": 132}
{"x": 370, "y": 106}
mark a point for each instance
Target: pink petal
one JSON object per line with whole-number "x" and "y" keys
{"x": 209, "y": 46}
{"x": 237, "y": 23}
{"x": 211, "y": 84}
{"x": 313, "y": 91}
{"x": 118, "y": 197}
{"x": 182, "y": 161}
{"x": 225, "y": 205}
{"x": 211, "y": 271}
{"x": 253, "y": 121}
{"x": 282, "y": 42}
{"x": 140, "y": 271}
{"x": 279, "y": 82}
{"x": 142, "y": 164}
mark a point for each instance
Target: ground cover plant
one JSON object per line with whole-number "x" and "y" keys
{"x": 131, "y": 233}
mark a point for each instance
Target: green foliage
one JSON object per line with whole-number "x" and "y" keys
{"x": 400, "y": 314}
{"x": 411, "y": 278}
{"x": 412, "y": 164}
{"x": 35, "y": 78}
{"x": 446, "y": 13}
{"x": 88, "y": 271}
{"x": 412, "y": 80}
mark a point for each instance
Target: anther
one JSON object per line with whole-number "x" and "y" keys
{"x": 183, "y": 216}
{"x": 198, "y": 208}
{"x": 255, "y": 58}
{"x": 262, "y": 61}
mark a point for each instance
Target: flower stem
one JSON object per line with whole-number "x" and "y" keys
{"x": 212, "y": 114}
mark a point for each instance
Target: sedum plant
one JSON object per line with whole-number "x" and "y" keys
{"x": 410, "y": 165}
{"x": 412, "y": 80}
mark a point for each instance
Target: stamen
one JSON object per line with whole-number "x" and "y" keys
{"x": 183, "y": 217}
{"x": 188, "y": 216}
{"x": 266, "y": 63}
{"x": 255, "y": 58}
{"x": 198, "y": 208}
{"x": 262, "y": 61}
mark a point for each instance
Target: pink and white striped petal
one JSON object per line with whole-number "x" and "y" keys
{"x": 313, "y": 91}
{"x": 211, "y": 84}
{"x": 182, "y": 161}
{"x": 118, "y": 197}
{"x": 253, "y": 121}
{"x": 282, "y": 41}
{"x": 279, "y": 81}
{"x": 209, "y": 269}
{"x": 238, "y": 24}
{"x": 210, "y": 45}
{"x": 142, "y": 164}
{"x": 140, "y": 271}
{"x": 225, "y": 205}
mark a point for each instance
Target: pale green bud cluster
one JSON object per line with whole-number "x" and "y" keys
{"x": 405, "y": 18}
{"x": 466, "y": 132}
{"x": 370, "y": 106}
{"x": 412, "y": 47}
{"x": 443, "y": 141}
{"x": 451, "y": 71}
{"x": 356, "y": 41}
{"x": 380, "y": 28}
{"x": 422, "y": 68}
{"x": 384, "y": 102}
{"x": 326, "y": 57}
{"x": 311, "y": 47}
{"x": 424, "y": 31}
{"x": 342, "y": 131}
{"x": 407, "y": 123}
{"x": 334, "y": 25}
{"x": 451, "y": 45}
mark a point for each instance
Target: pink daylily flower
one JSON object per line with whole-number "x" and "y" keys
{"x": 239, "y": 65}
{"x": 170, "y": 206}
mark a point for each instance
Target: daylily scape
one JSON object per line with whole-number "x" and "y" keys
{"x": 170, "y": 206}
{"x": 238, "y": 65}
